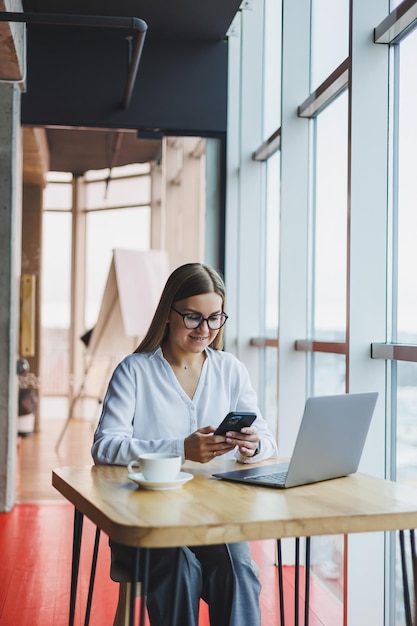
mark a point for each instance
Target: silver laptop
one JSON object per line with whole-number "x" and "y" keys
{"x": 329, "y": 443}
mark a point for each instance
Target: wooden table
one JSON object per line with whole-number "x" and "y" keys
{"x": 209, "y": 511}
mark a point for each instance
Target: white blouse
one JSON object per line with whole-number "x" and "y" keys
{"x": 146, "y": 409}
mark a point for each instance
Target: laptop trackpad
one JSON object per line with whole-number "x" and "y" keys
{"x": 260, "y": 474}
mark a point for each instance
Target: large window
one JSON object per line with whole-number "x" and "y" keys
{"x": 118, "y": 216}
{"x": 346, "y": 129}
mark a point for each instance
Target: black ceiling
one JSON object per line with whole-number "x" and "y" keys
{"x": 182, "y": 19}
{"x": 76, "y": 77}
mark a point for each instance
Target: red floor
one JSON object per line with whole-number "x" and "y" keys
{"x": 35, "y": 566}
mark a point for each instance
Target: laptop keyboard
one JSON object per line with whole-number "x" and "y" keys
{"x": 278, "y": 478}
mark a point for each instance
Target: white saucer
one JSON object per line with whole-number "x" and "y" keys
{"x": 181, "y": 479}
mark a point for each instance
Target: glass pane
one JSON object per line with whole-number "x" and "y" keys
{"x": 406, "y": 421}
{"x": 214, "y": 236}
{"x": 407, "y": 193}
{"x": 329, "y": 286}
{"x": 327, "y": 562}
{"x": 328, "y": 374}
{"x": 270, "y": 391}
{"x": 57, "y": 196}
{"x": 272, "y": 246}
{"x": 270, "y": 377}
{"x": 330, "y": 38}
{"x": 121, "y": 192}
{"x": 55, "y": 304}
{"x": 56, "y": 268}
{"x": 272, "y": 75}
{"x": 123, "y": 228}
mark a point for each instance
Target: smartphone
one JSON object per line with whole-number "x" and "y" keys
{"x": 236, "y": 420}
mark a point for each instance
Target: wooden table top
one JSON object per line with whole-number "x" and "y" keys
{"x": 210, "y": 511}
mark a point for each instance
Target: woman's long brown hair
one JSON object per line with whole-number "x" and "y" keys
{"x": 191, "y": 279}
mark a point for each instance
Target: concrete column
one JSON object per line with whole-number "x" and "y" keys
{"x": 10, "y": 250}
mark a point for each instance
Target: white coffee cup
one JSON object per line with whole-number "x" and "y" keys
{"x": 157, "y": 466}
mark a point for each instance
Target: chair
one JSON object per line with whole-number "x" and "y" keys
{"x": 120, "y": 574}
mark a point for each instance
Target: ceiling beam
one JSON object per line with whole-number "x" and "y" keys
{"x": 35, "y": 156}
{"x": 12, "y": 48}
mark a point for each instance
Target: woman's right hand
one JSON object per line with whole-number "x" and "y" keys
{"x": 202, "y": 446}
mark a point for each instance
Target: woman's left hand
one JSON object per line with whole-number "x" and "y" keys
{"x": 246, "y": 439}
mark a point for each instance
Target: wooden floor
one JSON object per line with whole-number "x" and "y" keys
{"x": 38, "y": 455}
{"x": 36, "y": 542}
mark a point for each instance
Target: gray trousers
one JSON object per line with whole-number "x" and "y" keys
{"x": 222, "y": 575}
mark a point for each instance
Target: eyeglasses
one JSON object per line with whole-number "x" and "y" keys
{"x": 193, "y": 320}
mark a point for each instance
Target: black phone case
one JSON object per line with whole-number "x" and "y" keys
{"x": 235, "y": 421}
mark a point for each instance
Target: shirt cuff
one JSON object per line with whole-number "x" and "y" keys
{"x": 180, "y": 449}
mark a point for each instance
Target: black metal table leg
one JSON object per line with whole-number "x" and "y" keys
{"x": 76, "y": 546}
{"x": 407, "y": 606}
{"x": 92, "y": 577}
{"x": 296, "y": 580}
{"x": 280, "y": 583}
{"x": 307, "y": 583}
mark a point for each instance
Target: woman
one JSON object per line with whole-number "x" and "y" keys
{"x": 169, "y": 396}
